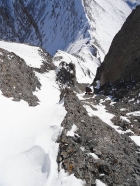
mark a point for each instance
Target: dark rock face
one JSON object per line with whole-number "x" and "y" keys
{"x": 122, "y": 63}
{"x": 66, "y": 74}
{"x": 17, "y": 80}
{"x": 117, "y": 155}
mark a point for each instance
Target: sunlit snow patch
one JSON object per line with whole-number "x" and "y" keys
{"x": 82, "y": 149}
{"x": 94, "y": 156}
{"x": 136, "y": 139}
{"x": 136, "y": 113}
{"x": 99, "y": 183}
{"x": 73, "y": 129}
{"x": 124, "y": 118}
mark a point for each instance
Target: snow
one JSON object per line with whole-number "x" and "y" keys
{"x": 123, "y": 118}
{"x": 94, "y": 156}
{"x": 104, "y": 115}
{"x": 69, "y": 180}
{"x": 82, "y": 148}
{"x": 123, "y": 109}
{"x": 136, "y": 139}
{"x": 136, "y": 113}
{"x": 73, "y": 129}
{"x": 105, "y": 19}
{"x": 112, "y": 103}
{"x": 99, "y": 183}
{"x": 82, "y": 98}
{"x": 129, "y": 130}
{"x": 131, "y": 99}
{"x": 29, "y": 53}
{"x": 28, "y": 135}
{"x": 67, "y": 25}
{"x": 1, "y": 53}
{"x": 98, "y": 84}
{"x": 101, "y": 113}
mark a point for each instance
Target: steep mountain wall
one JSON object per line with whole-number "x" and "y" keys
{"x": 62, "y": 24}
{"x": 122, "y": 63}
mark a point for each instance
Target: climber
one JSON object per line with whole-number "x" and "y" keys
{"x": 88, "y": 90}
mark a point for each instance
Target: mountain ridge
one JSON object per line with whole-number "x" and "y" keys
{"x": 21, "y": 21}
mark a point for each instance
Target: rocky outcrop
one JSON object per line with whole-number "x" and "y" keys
{"x": 46, "y": 62}
{"x": 66, "y": 74}
{"x": 96, "y": 151}
{"x": 17, "y": 80}
{"x": 122, "y": 63}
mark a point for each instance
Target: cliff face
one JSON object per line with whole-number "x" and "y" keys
{"x": 122, "y": 63}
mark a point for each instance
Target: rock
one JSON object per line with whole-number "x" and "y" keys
{"x": 66, "y": 74}
{"x": 17, "y": 80}
{"x": 122, "y": 63}
{"x": 115, "y": 151}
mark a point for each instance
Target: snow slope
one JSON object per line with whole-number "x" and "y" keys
{"x": 28, "y": 148}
